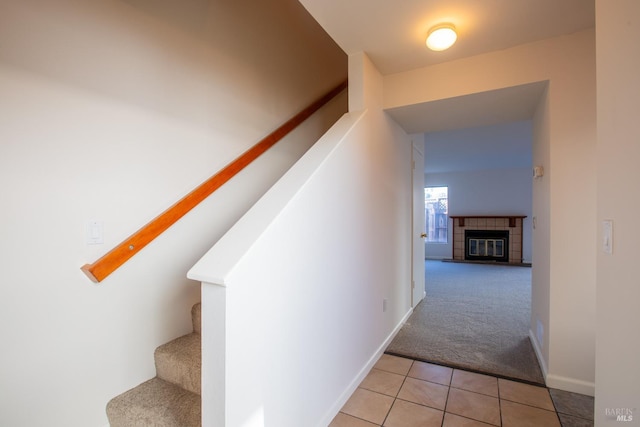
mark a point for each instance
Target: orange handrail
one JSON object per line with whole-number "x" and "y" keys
{"x": 112, "y": 260}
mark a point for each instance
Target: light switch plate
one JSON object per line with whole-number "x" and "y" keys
{"x": 94, "y": 232}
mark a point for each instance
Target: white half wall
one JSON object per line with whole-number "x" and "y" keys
{"x": 308, "y": 268}
{"x": 564, "y": 202}
{"x": 486, "y": 192}
{"x": 113, "y": 110}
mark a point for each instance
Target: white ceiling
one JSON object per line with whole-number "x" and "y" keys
{"x": 478, "y": 109}
{"x": 503, "y": 146}
{"x": 393, "y": 32}
{"x": 480, "y": 131}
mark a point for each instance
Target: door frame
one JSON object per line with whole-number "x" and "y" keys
{"x": 418, "y": 224}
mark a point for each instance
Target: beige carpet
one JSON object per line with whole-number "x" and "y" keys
{"x": 172, "y": 398}
{"x": 475, "y": 317}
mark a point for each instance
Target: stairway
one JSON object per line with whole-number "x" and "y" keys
{"x": 172, "y": 398}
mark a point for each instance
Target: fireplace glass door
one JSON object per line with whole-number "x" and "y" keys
{"x": 486, "y": 247}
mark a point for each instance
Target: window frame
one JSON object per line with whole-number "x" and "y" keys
{"x": 436, "y": 210}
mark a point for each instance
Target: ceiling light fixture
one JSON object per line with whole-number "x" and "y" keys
{"x": 441, "y": 37}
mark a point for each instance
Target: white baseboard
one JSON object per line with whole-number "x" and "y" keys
{"x": 557, "y": 381}
{"x": 363, "y": 373}
{"x": 571, "y": 384}
{"x": 538, "y": 351}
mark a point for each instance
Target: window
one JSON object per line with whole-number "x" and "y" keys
{"x": 436, "y": 204}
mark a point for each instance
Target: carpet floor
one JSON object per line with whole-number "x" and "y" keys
{"x": 475, "y": 317}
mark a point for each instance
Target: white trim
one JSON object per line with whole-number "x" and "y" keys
{"x": 538, "y": 351}
{"x": 571, "y": 384}
{"x": 213, "y": 320}
{"x": 557, "y": 381}
{"x": 362, "y": 374}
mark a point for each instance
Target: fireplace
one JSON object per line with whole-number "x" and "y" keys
{"x": 486, "y": 245}
{"x": 488, "y": 238}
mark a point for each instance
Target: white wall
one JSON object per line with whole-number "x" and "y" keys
{"x": 307, "y": 269}
{"x": 113, "y": 110}
{"x": 486, "y": 192}
{"x": 618, "y": 66}
{"x": 563, "y": 297}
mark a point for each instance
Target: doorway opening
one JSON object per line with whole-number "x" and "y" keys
{"x": 477, "y": 316}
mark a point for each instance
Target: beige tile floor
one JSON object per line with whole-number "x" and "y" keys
{"x": 400, "y": 392}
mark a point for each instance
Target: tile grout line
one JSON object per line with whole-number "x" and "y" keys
{"x": 396, "y": 396}
{"x": 446, "y": 402}
{"x": 500, "y": 405}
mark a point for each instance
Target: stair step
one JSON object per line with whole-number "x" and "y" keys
{"x": 172, "y": 398}
{"x": 179, "y": 362}
{"x": 196, "y": 316}
{"x": 155, "y": 403}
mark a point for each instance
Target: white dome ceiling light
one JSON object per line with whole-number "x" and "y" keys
{"x": 441, "y": 37}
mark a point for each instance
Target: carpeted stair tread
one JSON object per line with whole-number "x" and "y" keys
{"x": 155, "y": 403}
{"x": 196, "y": 314}
{"x": 172, "y": 398}
{"x": 179, "y": 362}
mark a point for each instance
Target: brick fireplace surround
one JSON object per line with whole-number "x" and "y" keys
{"x": 510, "y": 223}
